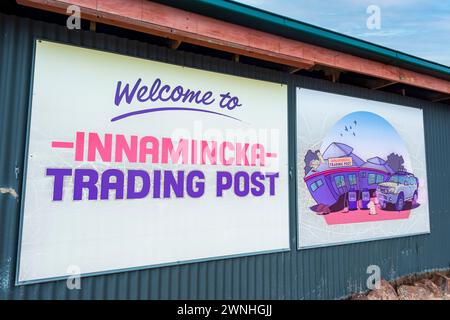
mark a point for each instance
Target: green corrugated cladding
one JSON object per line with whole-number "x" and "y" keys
{"x": 329, "y": 272}
{"x": 245, "y": 15}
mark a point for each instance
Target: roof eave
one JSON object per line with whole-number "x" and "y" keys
{"x": 248, "y": 16}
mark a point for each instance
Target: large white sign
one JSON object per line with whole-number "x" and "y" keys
{"x": 361, "y": 170}
{"x": 133, "y": 163}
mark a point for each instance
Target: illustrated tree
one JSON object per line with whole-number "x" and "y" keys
{"x": 395, "y": 161}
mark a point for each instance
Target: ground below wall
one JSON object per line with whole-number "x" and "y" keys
{"x": 424, "y": 286}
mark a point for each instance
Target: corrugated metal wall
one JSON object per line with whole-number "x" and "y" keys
{"x": 330, "y": 272}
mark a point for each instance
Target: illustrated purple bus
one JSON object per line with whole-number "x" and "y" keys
{"x": 341, "y": 171}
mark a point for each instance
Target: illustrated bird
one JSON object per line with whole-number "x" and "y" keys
{"x": 346, "y": 129}
{"x": 354, "y": 134}
{"x": 355, "y": 122}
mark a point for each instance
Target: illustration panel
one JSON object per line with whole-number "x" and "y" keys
{"x": 361, "y": 170}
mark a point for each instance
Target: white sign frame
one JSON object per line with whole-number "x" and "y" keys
{"x": 311, "y": 134}
{"x": 284, "y": 168}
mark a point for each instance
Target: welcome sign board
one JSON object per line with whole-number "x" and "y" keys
{"x": 361, "y": 170}
{"x": 134, "y": 163}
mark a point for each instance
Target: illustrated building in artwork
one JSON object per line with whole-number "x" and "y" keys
{"x": 342, "y": 171}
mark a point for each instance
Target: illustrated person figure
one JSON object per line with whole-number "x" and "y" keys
{"x": 372, "y": 208}
{"x": 314, "y": 164}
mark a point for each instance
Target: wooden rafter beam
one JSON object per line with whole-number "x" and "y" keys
{"x": 441, "y": 99}
{"x": 293, "y": 70}
{"x": 174, "y": 44}
{"x": 387, "y": 84}
{"x": 334, "y": 74}
{"x": 92, "y": 26}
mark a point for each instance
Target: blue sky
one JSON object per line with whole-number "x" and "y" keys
{"x": 373, "y": 136}
{"x": 417, "y": 27}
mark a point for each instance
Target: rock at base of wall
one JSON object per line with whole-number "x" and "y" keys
{"x": 431, "y": 287}
{"x": 359, "y": 296}
{"x": 385, "y": 292}
{"x": 416, "y": 292}
{"x": 442, "y": 282}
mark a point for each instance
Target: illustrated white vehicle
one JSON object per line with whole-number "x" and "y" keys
{"x": 401, "y": 187}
